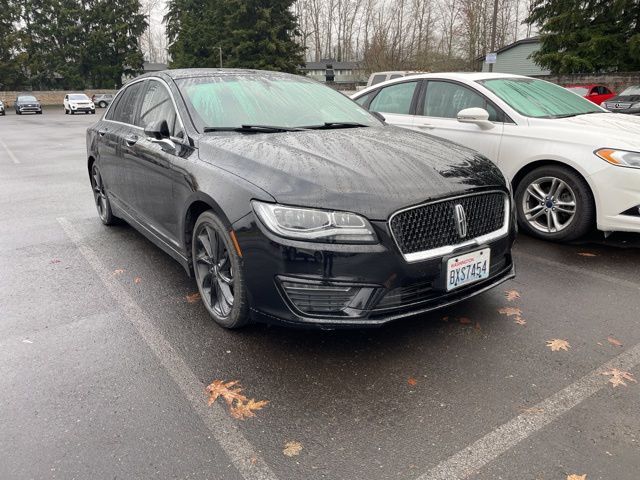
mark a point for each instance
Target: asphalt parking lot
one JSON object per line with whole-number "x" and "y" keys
{"x": 104, "y": 358}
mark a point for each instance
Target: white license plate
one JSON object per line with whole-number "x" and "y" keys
{"x": 468, "y": 268}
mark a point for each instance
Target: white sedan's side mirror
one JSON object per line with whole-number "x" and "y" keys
{"x": 476, "y": 115}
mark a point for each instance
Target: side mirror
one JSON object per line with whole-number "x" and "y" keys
{"x": 157, "y": 130}
{"x": 478, "y": 116}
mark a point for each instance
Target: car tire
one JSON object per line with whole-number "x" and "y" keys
{"x": 555, "y": 203}
{"x": 93, "y": 112}
{"x": 66, "y": 112}
{"x": 219, "y": 272}
{"x": 72, "y": 112}
{"x": 102, "y": 104}
{"x": 39, "y": 113}
{"x": 101, "y": 197}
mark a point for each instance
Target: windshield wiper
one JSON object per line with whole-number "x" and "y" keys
{"x": 253, "y": 129}
{"x": 568, "y": 115}
{"x": 329, "y": 125}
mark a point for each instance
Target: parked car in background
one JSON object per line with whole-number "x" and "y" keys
{"x": 379, "y": 77}
{"x": 102, "y": 100}
{"x": 289, "y": 203}
{"x": 573, "y": 165}
{"x": 594, "y": 93}
{"x": 78, "y": 103}
{"x": 2, "y": 110}
{"x": 628, "y": 101}
{"x": 27, "y": 104}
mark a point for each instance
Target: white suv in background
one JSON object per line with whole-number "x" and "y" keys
{"x": 78, "y": 102}
{"x": 572, "y": 164}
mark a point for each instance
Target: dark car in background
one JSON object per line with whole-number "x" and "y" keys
{"x": 2, "y": 110}
{"x": 102, "y": 100}
{"x": 27, "y": 104}
{"x": 290, "y": 203}
{"x": 628, "y": 101}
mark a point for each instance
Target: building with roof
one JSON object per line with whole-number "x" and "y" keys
{"x": 516, "y": 58}
{"x": 341, "y": 72}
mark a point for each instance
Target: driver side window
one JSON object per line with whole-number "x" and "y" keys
{"x": 157, "y": 106}
{"x": 446, "y": 99}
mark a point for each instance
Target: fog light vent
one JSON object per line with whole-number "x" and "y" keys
{"x": 633, "y": 211}
{"x": 319, "y": 299}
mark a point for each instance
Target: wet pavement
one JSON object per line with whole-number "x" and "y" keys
{"x": 104, "y": 361}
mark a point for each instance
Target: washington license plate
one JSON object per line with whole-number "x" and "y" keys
{"x": 468, "y": 268}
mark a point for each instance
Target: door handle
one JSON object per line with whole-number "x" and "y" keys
{"x": 131, "y": 140}
{"x": 102, "y": 132}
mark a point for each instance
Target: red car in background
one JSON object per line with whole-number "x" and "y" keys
{"x": 594, "y": 93}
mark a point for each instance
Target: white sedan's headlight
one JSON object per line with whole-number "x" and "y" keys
{"x": 314, "y": 225}
{"x": 622, "y": 158}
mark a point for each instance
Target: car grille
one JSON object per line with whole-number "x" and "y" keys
{"x": 431, "y": 226}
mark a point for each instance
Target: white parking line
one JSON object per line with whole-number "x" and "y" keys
{"x": 9, "y": 152}
{"x": 471, "y": 459}
{"x": 238, "y": 449}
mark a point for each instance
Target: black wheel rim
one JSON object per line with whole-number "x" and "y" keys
{"x": 98, "y": 192}
{"x": 214, "y": 272}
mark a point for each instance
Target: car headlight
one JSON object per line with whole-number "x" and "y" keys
{"x": 621, "y": 158}
{"x": 314, "y": 225}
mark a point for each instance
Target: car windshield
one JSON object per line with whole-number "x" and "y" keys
{"x": 635, "y": 90}
{"x": 27, "y": 98}
{"x": 579, "y": 90}
{"x": 235, "y": 100}
{"x": 78, "y": 97}
{"x": 539, "y": 99}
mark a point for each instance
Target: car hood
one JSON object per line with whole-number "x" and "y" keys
{"x": 600, "y": 129}
{"x": 373, "y": 171}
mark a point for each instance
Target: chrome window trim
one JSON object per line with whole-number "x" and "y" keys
{"x": 449, "y": 249}
{"x": 121, "y": 92}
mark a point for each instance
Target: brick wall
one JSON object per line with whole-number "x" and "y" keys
{"x": 616, "y": 81}
{"x": 52, "y": 97}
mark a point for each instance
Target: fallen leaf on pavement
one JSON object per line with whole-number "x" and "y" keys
{"x": 558, "y": 344}
{"x": 577, "y": 477}
{"x": 510, "y": 311}
{"x": 55, "y": 260}
{"x": 532, "y": 411}
{"x": 615, "y": 342}
{"x": 291, "y": 449}
{"x": 118, "y": 271}
{"x": 464, "y": 320}
{"x": 520, "y": 321}
{"x": 587, "y": 254}
{"x": 512, "y": 295}
{"x": 445, "y": 319}
{"x": 412, "y": 381}
{"x": 137, "y": 280}
{"x": 193, "y": 297}
{"x": 619, "y": 376}
{"x": 239, "y": 405}
{"x": 477, "y": 327}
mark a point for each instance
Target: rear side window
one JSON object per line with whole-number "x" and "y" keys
{"x": 378, "y": 79}
{"x": 362, "y": 101}
{"x": 394, "y": 98}
{"x": 124, "y": 110}
{"x": 395, "y": 75}
{"x": 157, "y": 106}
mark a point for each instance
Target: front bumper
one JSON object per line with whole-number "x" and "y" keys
{"x": 30, "y": 109}
{"x": 618, "y": 198}
{"x": 374, "y": 282}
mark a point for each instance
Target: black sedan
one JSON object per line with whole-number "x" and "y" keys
{"x": 27, "y": 104}
{"x": 290, "y": 203}
{"x": 628, "y": 101}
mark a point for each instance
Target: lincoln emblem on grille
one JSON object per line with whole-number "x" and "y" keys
{"x": 460, "y": 218}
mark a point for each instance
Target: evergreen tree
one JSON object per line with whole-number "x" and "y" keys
{"x": 252, "y": 34}
{"x": 587, "y": 36}
{"x": 10, "y": 75}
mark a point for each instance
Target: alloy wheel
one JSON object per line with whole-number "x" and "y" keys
{"x": 98, "y": 192}
{"x": 213, "y": 269}
{"x": 549, "y": 204}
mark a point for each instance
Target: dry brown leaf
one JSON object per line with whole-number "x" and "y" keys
{"x": 244, "y": 410}
{"x": 477, "y": 327}
{"x": 291, "y": 449}
{"x": 520, "y": 321}
{"x": 445, "y": 319}
{"x": 55, "y": 260}
{"x": 532, "y": 411}
{"x": 239, "y": 406}
{"x": 512, "y": 295}
{"x": 412, "y": 381}
{"x": 118, "y": 271}
{"x": 587, "y": 254}
{"x": 558, "y": 344}
{"x": 575, "y": 476}
{"x": 510, "y": 311}
{"x": 137, "y": 280}
{"x": 615, "y": 342}
{"x": 464, "y": 320}
{"x": 193, "y": 297}
{"x": 619, "y": 376}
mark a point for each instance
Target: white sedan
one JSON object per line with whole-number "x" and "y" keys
{"x": 572, "y": 164}
{"x": 78, "y": 102}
